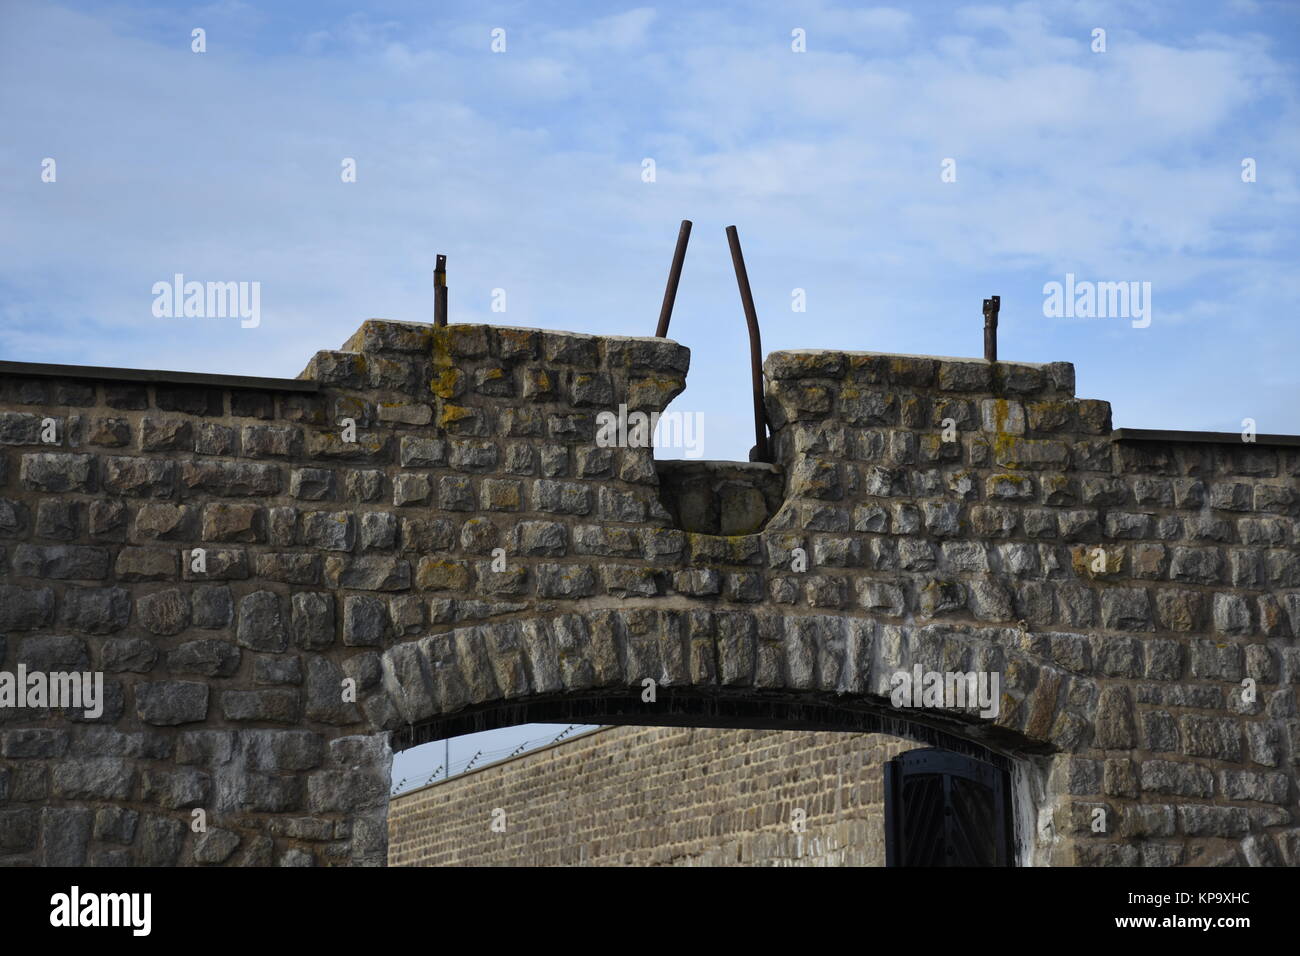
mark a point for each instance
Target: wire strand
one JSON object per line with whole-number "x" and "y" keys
{"x": 459, "y": 767}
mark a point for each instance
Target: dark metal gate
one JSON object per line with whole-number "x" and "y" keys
{"x": 945, "y": 809}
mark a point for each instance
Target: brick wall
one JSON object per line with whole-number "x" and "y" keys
{"x": 658, "y": 796}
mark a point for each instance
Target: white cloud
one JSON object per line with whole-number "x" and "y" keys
{"x": 524, "y": 168}
{"x": 620, "y": 32}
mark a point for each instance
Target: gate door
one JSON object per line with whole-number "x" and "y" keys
{"x": 945, "y": 809}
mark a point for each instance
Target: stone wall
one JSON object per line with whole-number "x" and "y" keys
{"x": 226, "y": 687}
{"x": 650, "y": 796}
{"x": 720, "y": 497}
{"x": 472, "y": 557}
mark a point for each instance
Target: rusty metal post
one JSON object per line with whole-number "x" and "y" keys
{"x": 440, "y": 292}
{"x": 674, "y": 276}
{"x": 755, "y": 346}
{"x": 991, "y": 307}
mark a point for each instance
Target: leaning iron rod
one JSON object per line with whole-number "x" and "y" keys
{"x": 440, "y": 292}
{"x": 755, "y": 346}
{"x": 674, "y": 276}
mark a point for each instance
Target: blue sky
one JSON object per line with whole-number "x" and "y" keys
{"x": 525, "y": 168}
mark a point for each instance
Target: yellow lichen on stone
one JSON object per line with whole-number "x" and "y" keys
{"x": 438, "y": 347}
{"x": 450, "y": 414}
{"x": 518, "y": 339}
{"x": 446, "y": 382}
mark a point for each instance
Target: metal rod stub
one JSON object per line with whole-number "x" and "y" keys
{"x": 991, "y": 307}
{"x": 755, "y": 346}
{"x": 440, "y": 292}
{"x": 674, "y": 276}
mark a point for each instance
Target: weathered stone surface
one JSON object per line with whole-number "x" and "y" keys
{"x": 176, "y": 790}
{"x": 51, "y": 653}
{"x": 226, "y": 521}
{"x": 212, "y": 606}
{"x": 289, "y": 568}
{"x": 55, "y": 473}
{"x": 215, "y": 846}
{"x": 368, "y": 573}
{"x": 94, "y": 779}
{"x": 58, "y": 519}
{"x": 208, "y": 658}
{"x": 1211, "y": 737}
{"x": 365, "y": 621}
{"x": 18, "y": 829}
{"x": 311, "y": 484}
{"x": 95, "y": 610}
{"x": 1115, "y": 729}
{"x": 166, "y": 434}
{"x": 129, "y": 654}
{"x": 116, "y": 825}
{"x": 164, "y": 612}
{"x": 146, "y": 564}
{"x": 164, "y": 521}
{"x": 409, "y": 490}
{"x": 378, "y": 531}
{"x": 276, "y": 706}
{"x": 161, "y": 840}
{"x": 20, "y": 428}
{"x": 61, "y": 562}
{"x": 326, "y": 694}
{"x": 1126, "y": 609}
{"x": 328, "y": 530}
{"x": 261, "y": 626}
{"x": 228, "y": 479}
{"x": 270, "y": 670}
{"x": 34, "y": 742}
{"x": 213, "y": 439}
{"x": 25, "y": 608}
{"x": 139, "y": 477}
{"x": 65, "y": 835}
{"x": 477, "y": 549}
{"x": 313, "y": 620}
{"x": 167, "y": 703}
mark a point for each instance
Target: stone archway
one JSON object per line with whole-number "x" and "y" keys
{"x": 831, "y": 698}
{"x": 422, "y": 530}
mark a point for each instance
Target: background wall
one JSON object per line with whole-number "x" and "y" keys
{"x": 659, "y": 796}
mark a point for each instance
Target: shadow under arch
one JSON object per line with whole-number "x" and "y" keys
{"x": 833, "y": 675}
{"x": 733, "y": 709}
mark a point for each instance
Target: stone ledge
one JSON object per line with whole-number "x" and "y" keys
{"x": 942, "y": 373}
{"x": 104, "y": 374}
{"x": 1214, "y": 438}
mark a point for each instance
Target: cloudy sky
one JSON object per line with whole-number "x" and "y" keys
{"x": 526, "y": 168}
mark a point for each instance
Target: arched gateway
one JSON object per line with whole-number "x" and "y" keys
{"x": 282, "y": 580}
